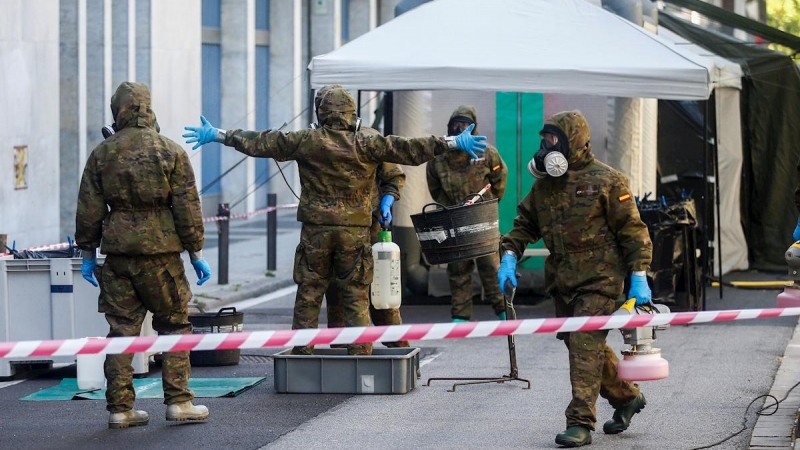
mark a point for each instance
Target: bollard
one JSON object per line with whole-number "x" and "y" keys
{"x": 272, "y": 232}
{"x": 223, "y": 242}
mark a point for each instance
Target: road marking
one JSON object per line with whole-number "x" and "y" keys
{"x": 5, "y": 384}
{"x": 429, "y": 358}
{"x": 244, "y": 304}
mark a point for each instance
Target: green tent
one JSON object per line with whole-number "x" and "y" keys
{"x": 770, "y": 131}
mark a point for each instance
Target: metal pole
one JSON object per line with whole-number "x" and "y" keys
{"x": 272, "y": 232}
{"x": 224, "y": 240}
{"x": 520, "y": 164}
{"x": 388, "y": 113}
{"x": 706, "y": 227}
{"x": 715, "y": 148}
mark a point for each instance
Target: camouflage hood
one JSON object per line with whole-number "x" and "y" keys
{"x": 130, "y": 106}
{"x": 466, "y": 112}
{"x": 576, "y": 129}
{"x": 336, "y": 108}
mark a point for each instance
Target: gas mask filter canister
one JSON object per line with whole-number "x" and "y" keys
{"x": 107, "y": 131}
{"x": 552, "y": 157}
{"x": 554, "y": 164}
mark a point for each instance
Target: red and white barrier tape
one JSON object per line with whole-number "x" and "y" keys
{"x": 250, "y": 214}
{"x": 412, "y": 332}
{"x": 43, "y": 248}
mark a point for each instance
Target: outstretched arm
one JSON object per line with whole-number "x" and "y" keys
{"x": 261, "y": 144}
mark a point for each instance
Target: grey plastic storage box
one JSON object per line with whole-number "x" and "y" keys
{"x": 333, "y": 371}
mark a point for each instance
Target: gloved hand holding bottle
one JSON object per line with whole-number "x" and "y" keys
{"x": 470, "y": 144}
{"x": 639, "y": 288}
{"x": 88, "y": 265}
{"x": 203, "y": 134}
{"x": 386, "y": 210}
{"x": 796, "y": 234}
{"x": 507, "y": 271}
{"x": 202, "y": 269}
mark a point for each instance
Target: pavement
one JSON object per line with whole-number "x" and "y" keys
{"x": 249, "y": 278}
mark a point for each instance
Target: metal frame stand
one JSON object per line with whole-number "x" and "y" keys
{"x": 512, "y": 356}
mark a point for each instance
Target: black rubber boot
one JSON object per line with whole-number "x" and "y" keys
{"x": 622, "y": 416}
{"x": 574, "y": 436}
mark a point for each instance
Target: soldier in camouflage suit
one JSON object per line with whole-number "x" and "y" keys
{"x": 451, "y": 178}
{"x": 591, "y": 226}
{"x": 390, "y": 180}
{"x": 337, "y": 165}
{"x": 138, "y": 202}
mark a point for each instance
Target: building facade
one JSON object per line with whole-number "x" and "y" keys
{"x": 241, "y": 63}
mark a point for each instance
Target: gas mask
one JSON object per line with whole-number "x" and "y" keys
{"x": 108, "y": 130}
{"x": 457, "y": 125}
{"x": 553, "y": 154}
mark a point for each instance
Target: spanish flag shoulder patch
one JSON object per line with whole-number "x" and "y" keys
{"x": 624, "y": 197}
{"x": 495, "y": 167}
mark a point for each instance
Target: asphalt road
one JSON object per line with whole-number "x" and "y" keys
{"x": 716, "y": 370}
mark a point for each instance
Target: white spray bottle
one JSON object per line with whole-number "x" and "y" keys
{"x": 386, "y": 291}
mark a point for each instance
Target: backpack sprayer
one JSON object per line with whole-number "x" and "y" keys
{"x": 642, "y": 361}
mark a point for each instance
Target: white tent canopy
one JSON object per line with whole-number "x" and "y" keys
{"x": 724, "y": 73}
{"x": 545, "y": 46}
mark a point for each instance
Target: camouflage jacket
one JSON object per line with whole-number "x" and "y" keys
{"x": 138, "y": 194}
{"x": 390, "y": 178}
{"x": 590, "y": 224}
{"x": 453, "y": 176}
{"x": 337, "y": 164}
{"x": 390, "y": 181}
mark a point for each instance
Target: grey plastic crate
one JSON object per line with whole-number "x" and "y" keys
{"x": 333, "y": 371}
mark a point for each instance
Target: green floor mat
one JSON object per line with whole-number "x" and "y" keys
{"x": 148, "y": 388}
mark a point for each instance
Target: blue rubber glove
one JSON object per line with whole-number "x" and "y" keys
{"x": 87, "y": 270}
{"x": 201, "y": 135}
{"x": 507, "y": 272}
{"x": 639, "y": 289}
{"x": 202, "y": 270}
{"x": 386, "y": 210}
{"x": 796, "y": 234}
{"x": 469, "y": 143}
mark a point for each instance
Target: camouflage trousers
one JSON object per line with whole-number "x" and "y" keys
{"x": 460, "y": 275}
{"x": 129, "y": 287}
{"x": 336, "y": 255}
{"x": 378, "y": 316}
{"x": 592, "y": 363}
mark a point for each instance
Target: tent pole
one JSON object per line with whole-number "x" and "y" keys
{"x": 705, "y": 203}
{"x": 715, "y": 148}
{"x": 388, "y": 113}
{"x": 519, "y": 147}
